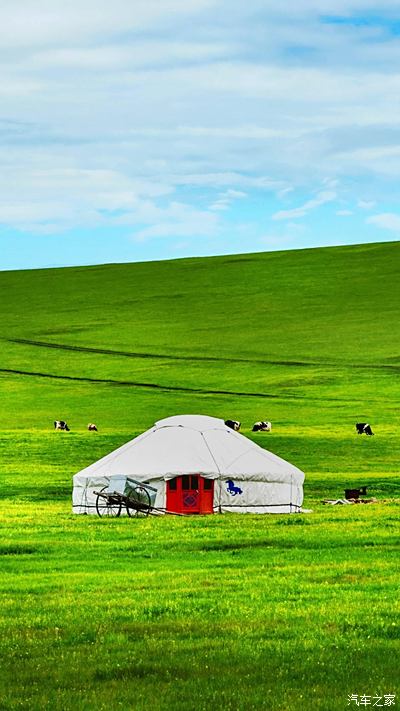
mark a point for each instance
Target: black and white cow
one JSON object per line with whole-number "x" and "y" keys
{"x": 233, "y": 424}
{"x": 364, "y": 428}
{"x": 61, "y": 425}
{"x": 263, "y": 426}
{"x": 92, "y": 427}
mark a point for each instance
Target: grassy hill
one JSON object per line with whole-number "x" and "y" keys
{"x": 280, "y": 609}
{"x": 307, "y": 339}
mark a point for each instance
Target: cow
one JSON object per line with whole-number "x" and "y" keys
{"x": 262, "y": 426}
{"x": 61, "y": 425}
{"x": 364, "y": 428}
{"x": 92, "y": 427}
{"x": 233, "y": 424}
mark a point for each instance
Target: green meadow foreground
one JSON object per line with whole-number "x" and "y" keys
{"x": 222, "y": 612}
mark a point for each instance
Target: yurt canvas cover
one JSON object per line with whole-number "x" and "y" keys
{"x": 246, "y": 477}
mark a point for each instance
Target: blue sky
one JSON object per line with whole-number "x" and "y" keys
{"x": 154, "y": 129}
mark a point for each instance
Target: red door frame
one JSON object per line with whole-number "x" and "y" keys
{"x": 190, "y": 494}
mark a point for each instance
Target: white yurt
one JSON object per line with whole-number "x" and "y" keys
{"x": 197, "y": 465}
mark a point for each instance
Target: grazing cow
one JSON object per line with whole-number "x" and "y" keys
{"x": 262, "y": 427}
{"x": 232, "y": 489}
{"x": 364, "y": 428}
{"x": 61, "y": 425}
{"x": 233, "y": 424}
{"x": 92, "y": 427}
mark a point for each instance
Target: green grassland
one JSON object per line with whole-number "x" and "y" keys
{"x": 223, "y": 612}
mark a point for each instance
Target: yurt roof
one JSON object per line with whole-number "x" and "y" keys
{"x": 192, "y": 444}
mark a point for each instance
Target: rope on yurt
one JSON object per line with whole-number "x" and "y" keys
{"x": 218, "y": 470}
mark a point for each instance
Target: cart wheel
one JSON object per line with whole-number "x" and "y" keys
{"x": 138, "y": 502}
{"x": 107, "y": 505}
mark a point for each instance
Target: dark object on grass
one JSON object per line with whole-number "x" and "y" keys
{"x": 92, "y": 427}
{"x": 364, "y": 428}
{"x": 355, "y": 493}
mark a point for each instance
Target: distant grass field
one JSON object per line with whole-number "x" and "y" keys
{"x": 224, "y": 612}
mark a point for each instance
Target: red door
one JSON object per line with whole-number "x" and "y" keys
{"x": 190, "y": 494}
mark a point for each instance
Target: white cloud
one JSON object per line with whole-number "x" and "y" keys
{"x": 137, "y": 56}
{"x": 243, "y": 131}
{"x": 45, "y": 22}
{"x": 366, "y": 204}
{"x": 321, "y": 199}
{"x": 386, "y": 221}
{"x": 225, "y": 200}
{"x": 69, "y": 196}
{"x": 373, "y": 153}
{"x": 330, "y": 182}
{"x": 220, "y": 205}
{"x": 233, "y": 194}
{"x": 285, "y": 191}
{"x": 218, "y": 180}
{"x": 344, "y": 213}
{"x": 177, "y": 220}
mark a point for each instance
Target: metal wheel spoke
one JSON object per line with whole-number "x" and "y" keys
{"x": 107, "y": 505}
{"x": 138, "y": 502}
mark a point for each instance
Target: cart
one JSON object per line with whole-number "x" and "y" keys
{"x": 123, "y": 492}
